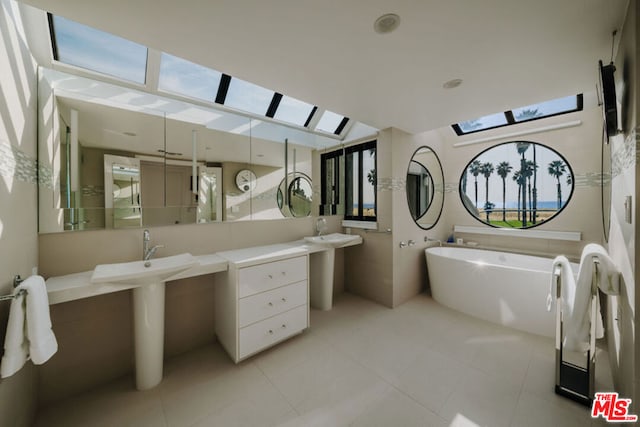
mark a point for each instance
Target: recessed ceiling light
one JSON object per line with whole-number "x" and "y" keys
{"x": 452, "y": 83}
{"x": 386, "y": 23}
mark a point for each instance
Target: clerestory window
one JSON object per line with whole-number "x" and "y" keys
{"x": 554, "y": 107}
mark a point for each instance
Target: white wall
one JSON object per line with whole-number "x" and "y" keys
{"x": 18, "y": 192}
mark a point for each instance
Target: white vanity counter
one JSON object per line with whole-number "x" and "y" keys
{"x": 262, "y": 296}
{"x": 78, "y": 285}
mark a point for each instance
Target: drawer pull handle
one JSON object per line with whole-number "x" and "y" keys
{"x": 284, "y": 273}
{"x": 284, "y": 300}
{"x": 270, "y": 304}
{"x": 270, "y": 332}
{"x": 284, "y": 326}
{"x": 270, "y": 276}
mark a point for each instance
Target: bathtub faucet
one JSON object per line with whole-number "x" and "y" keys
{"x": 429, "y": 239}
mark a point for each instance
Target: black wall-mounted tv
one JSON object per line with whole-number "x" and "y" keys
{"x": 608, "y": 91}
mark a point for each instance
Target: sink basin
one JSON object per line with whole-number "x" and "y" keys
{"x": 136, "y": 273}
{"x": 336, "y": 240}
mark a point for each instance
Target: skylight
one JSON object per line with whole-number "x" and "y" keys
{"x": 248, "y": 97}
{"x": 293, "y": 111}
{"x": 85, "y": 47}
{"x": 80, "y": 46}
{"x": 329, "y": 122}
{"x": 554, "y": 107}
{"x": 180, "y": 76}
{"x": 486, "y": 122}
{"x": 546, "y": 109}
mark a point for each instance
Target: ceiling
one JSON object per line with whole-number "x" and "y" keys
{"x": 509, "y": 53}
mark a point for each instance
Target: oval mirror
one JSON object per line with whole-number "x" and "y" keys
{"x": 518, "y": 184}
{"x": 425, "y": 187}
{"x": 298, "y": 203}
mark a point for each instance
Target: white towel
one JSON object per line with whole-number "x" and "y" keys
{"x": 578, "y": 322}
{"x": 16, "y": 347}
{"x": 29, "y": 328}
{"x": 567, "y": 282}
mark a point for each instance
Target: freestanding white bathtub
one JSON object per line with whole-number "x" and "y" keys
{"x": 504, "y": 288}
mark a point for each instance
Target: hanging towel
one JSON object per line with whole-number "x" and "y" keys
{"x": 567, "y": 283}
{"x": 29, "y": 328}
{"x": 16, "y": 347}
{"x": 578, "y": 322}
{"x": 609, "y": 275}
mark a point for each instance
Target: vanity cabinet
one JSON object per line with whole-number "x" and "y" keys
{"x": 261, "y": 302}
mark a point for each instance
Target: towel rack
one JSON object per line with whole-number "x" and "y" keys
{"x": 572, "y": 381}
{"x": 16, "y": 281}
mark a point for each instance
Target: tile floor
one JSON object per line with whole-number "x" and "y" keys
{"x": 359, "y": 364}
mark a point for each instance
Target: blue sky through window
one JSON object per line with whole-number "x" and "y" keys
{"x": 248, "y": 97}
{"x": 86, "y": 47}
{"x": 484, "y": 122}
{"x": 187, "y": 78}
{"x": 547, "y": 108}
{"x": 293, "y": 111}
{"x": 553, "y": 107}
{"x": 329, "y": 122}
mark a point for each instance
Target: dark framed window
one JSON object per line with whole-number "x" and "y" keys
{"x": 330, "y": 186}
{"x": 361, "y": 182}
{"x": 542, "y": 110}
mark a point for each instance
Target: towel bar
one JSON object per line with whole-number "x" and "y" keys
{"x": 575, "y": 382}
{"x": 16, "y": 281}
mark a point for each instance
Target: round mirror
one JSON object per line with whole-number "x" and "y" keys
{"x": 519, "y": 184}
{"x": 299, "y": 193}
{"x": 425, "y": 188}
{"x": 605, "y": 185}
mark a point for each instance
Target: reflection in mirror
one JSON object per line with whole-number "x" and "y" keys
{"x": 605, "y": 185}
{"x": 518, "y": 184}
{"x": 299, "y": 198}
{"x": 210, "y": 194}
{"x": 166, "y": 136}
{"x": 122, "y": 192}
{"x": 419, "y": 189}
{"x": 425, "y": 187}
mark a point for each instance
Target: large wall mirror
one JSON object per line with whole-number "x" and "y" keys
{"x": 425, "y": 187}
{"x": 519, "y": 184}
{"x": 112, "y": 160}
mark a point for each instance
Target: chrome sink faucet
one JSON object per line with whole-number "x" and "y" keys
{"x": 321, "y": 226}
{"x": 148, "y": 253}
{"x": 429, "y": 239}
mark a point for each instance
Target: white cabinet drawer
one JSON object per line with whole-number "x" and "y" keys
{"x": 260, "y": 306}
{"x": 263, "y": 277}
{"x": 263, "y": 334}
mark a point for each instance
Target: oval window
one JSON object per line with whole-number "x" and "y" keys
{"x": 518, "y": 184}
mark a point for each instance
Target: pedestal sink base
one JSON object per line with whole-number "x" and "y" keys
{"x": 148, "y": 325}
{"x": 321, "y": 286}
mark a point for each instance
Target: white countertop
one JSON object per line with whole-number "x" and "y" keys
{"x": 78, "y": 285}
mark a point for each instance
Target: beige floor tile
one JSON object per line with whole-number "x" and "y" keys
{"x": 431, "y": 379}
{"x": 359, "y": 364}
{"x": 396, "y": 409}
{"x": 483, "y": 399}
